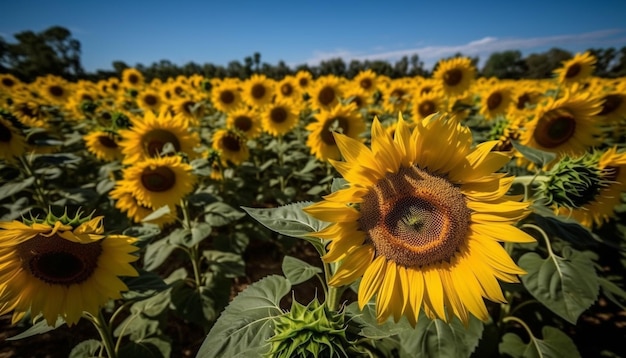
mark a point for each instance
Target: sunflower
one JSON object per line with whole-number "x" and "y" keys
{"x": 599, "y": 201}
{"x": 396, "y": 96}
{"x": 568, "y": 125}
{"x": 149, "y": 100}
{"x": 8, "y": 82}
{"x": 189, "y": 108}
{"x": 576, "y": 69}
{"x": 132, "y": 78}
{"x": 525, "y": 95}
{"x": 343, "y": 119}
{"x": 53, "y": 88}
{"x": 495, "y": 100}
{"x": 12, "y": 142}
{"x": 246, "y": 121}
{"x": 425, "y": 104}
{"x": 366, "y": 80}
{"x": 226, "y": 95}
{"x": 104, "y": 145}
{"x": 160, "y": 181}
{"x": 455, "y": 75}
{"x": 148, "y": 136}
{"x": 258, "y": 90}
{"x": 614, "y": 105}
{"x": 288, "y": 89}
{"x": 61, "y": 267}
{"x": 280, "y": 117}
{"x": 231, "y": 146}
{"x": 126, "y": 203}
{"x": 325, "y": 92}
{"x": 422, "y": 221}
{"x": 304, "y": 80}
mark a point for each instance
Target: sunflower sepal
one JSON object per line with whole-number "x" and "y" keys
{"x": 77, "y": 220}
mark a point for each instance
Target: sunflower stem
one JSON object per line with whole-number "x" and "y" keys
{"x": 192, "y": 251}
{"x": 545, "y": 238}
{"x": 521, "y": 323}
{"x": 39, "y": 194}
{"x": 528, "y": 180}
{"x": 105, "y": 332}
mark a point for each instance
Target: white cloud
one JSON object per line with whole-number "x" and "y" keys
{"x": 481, "y": 47}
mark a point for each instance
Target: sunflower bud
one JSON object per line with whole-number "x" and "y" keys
{"x": 309, "y": 331}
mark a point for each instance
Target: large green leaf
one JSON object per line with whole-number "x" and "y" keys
{"x": 298, "y": 271}
{"x": 86, "y": 349}
{"x": 156, "y": 253}
{"x": 566, "y": 285}
{"x": 288, "y": 220}
{"x": 539, "y": 157}
{"x": 245, "y": 325}
{"x": 365, "y": 320}
{"x": 220, "y": 214}
{"x": 227, "y": 264}
{"x": 13, "y": 188}
{"x": 146, "y": 348}
{"x": 555, "y": 344}
{"x": 144, "y": 285}
{"x": 436, "y": 338}
{"x": 41, "y": 326}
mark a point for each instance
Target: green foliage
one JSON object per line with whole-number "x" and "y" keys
{"x": 298, "y": 271}
{"x": 40, "y": 326}
{"x": 539, "y": 157}
{"x": 554, "y": 344}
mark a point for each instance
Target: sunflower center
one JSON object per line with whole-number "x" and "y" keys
{"x": 57, "y": 261}
{"x": 414, "y": 218}
{"x": 366, "y": 83}
{"x": 150, "y": 100}
{"x": 56, "y": 91}
{"x": 133, "y": 79}
{"x": 326, "y": 96}
{"x": 611, "y": 103}
{"x": 158, "y": 179}
{"x": 494, "y": 100}
{"x": 7, "y": 82}
{"x": 258, "y": 91}
{"x": 573, "y": 70}
{"x": 5, "y": 134}
{"x": 358, "y": 101}
{"x": 303, "y": 82}
{"x": 107, "y": 141}
{"x": 554, "y": 128}
{"x": 522, "y": 100}
{"x": 243, "y": 123}
{"x": 155, "y": 140}
{"x": 426, "y": 108}
{"x": 231, "y": 143}
{"x": 187, "y": 106}
{"x": 227, "y": 97}
{"x": 286, "y": 89}
{"x": 278, "y": 115}
{"x": 453, "y": 77}
{"x": 426, "y": 90}
{"x": 337, "y": 124}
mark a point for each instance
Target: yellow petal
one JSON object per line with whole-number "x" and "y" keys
{"x": 353, "y": 266}
{"x": 372, "y": 280}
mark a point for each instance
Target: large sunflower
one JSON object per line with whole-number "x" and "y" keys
{"x": 156, "y": 182}
{"x": 148, "y": 136}
{"x": 343, "y": 119}
{"x": 104, "y": 145}
{"x": 422, "y": 221}
{"x": 12, "y": 142}
{"x": 246, "y": 121}
{"x": 576, "y": 69}
{"x": 568, "y": 125}
{"x": 258, "y": 90}
{"x": 61, "y": 268}
{"x": 231, "y": 146}
{"x": 455, "y": 75}
{"x": 280, "y": 117}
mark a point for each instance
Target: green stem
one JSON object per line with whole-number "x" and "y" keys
{"x": 105, "y": 332}
{"x": 528, "y": 180}
{"x": 544, "y": 235}
{"x": 192, "y": 251}
{"x": 525, "y": 326}
{"x": 279, "y": 153}
{"x": 39, "y": 195}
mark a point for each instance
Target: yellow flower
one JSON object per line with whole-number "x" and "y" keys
{"x": 576, "y": 69}
{"x": 421, "y": 221}
{"x": 12, "y": 142}
{"x": 104, "y": 145}
{"x": 258, "y": 90}
{"x": 231, "y": 146}
{"x": 343, "y": 119}
{"x": 366, "y": 80}
{"x": 325, "y": 92}
{"x": 225, "y": 95}
{"x": 127, "y": 203}
{"x": 425, "y": 104}
{"x": 55, "y": 269}
{"x": 455, "y": 76}
{"x": 495, "y": 100}
{"x": 246, "y": 121}
{"x": 132, "y": 78}
{"x": 149, "y": 100}
{"x": 280, "y": 117}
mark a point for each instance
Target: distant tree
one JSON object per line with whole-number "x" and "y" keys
{"x": 119, "y": 67}
{"x": 401, "y": 68}
{"x": 605, "y": 58}
{"x": 619, "y": 68}
{"x": 334, "y": 66}
{"x": 506, "y": 64}
{"x": 417, "y": 66}
{"x": 257, "y": 61}
{"x": 380, "y": 67}
{"x": 542, "y": 65}
{"x": 354, "y": 68}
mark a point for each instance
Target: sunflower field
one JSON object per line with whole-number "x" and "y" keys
{"x": 314, "y": 216}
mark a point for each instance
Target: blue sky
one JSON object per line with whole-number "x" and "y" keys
{"x": 300, "y": 32}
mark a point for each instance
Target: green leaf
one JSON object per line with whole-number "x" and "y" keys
{"x": 539, "y": 157}
{"x": 555, "y": 344}
{"x": 225, "y": 263}
{"x": 365, "y": 320}
{"x": 164, "y": 210}
{"x": 10, "y": 189}
{"x": 566, "y": 285}
{"x": 245, "y": 325}
{"x": 156, "y": 253}
{"x": 298, "y": 271}
{"x": 38, "y": 328}
{"x": 57, "y": 159}
{"x": 146, "y": 348}
{"x": 611, "y": 290}
{"x": 220, "y": 214}
{"x": 86, "y": 348}
{"x": 152, "y": 306}
{"x": 436, "y": 338}
{"x": 196, "y": 305}
{"x": 288, "y": 220}
{"x": 146, "y": 284}
{"x": 199, "y": 232}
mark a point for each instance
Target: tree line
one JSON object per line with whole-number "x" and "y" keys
{"x": 54, "y": 51}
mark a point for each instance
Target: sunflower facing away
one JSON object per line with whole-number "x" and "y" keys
{"x": 422, "y": 221}
{"x": 576, "y": 69}
{"x": 61, "y": 267}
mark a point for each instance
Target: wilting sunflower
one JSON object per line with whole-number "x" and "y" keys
{"x": 127, "y": 203}
{"x": 225, "y": 95}
{"x": 156, "y": 182}
{"x": 495, "y": 100}
{"x": 104, "y": 145}
{"x": 455, "y": 75}
{"x": 367, "y": 81}
{"x": 258, "y": 90}
{"x": 576, "y": 69}
{"x": 568, "y": 125}
{"x": 325, "y": 92}
{"x": 601, "y": 179}
{"x": 426, "y": 104}
{"x": 132, "y": 78}
{"x": 343, "y": 119}
{"x": 422, "y": 221}
{"x": 149, "y": 100}
{"x": 246, "y": 121}
{"x": 280, "y": 117}
{"x": 12, "y": 142}
{"x": 61, "y": 267}
{"x": 231, "y": 146}
{"x": 148, "y": 136}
